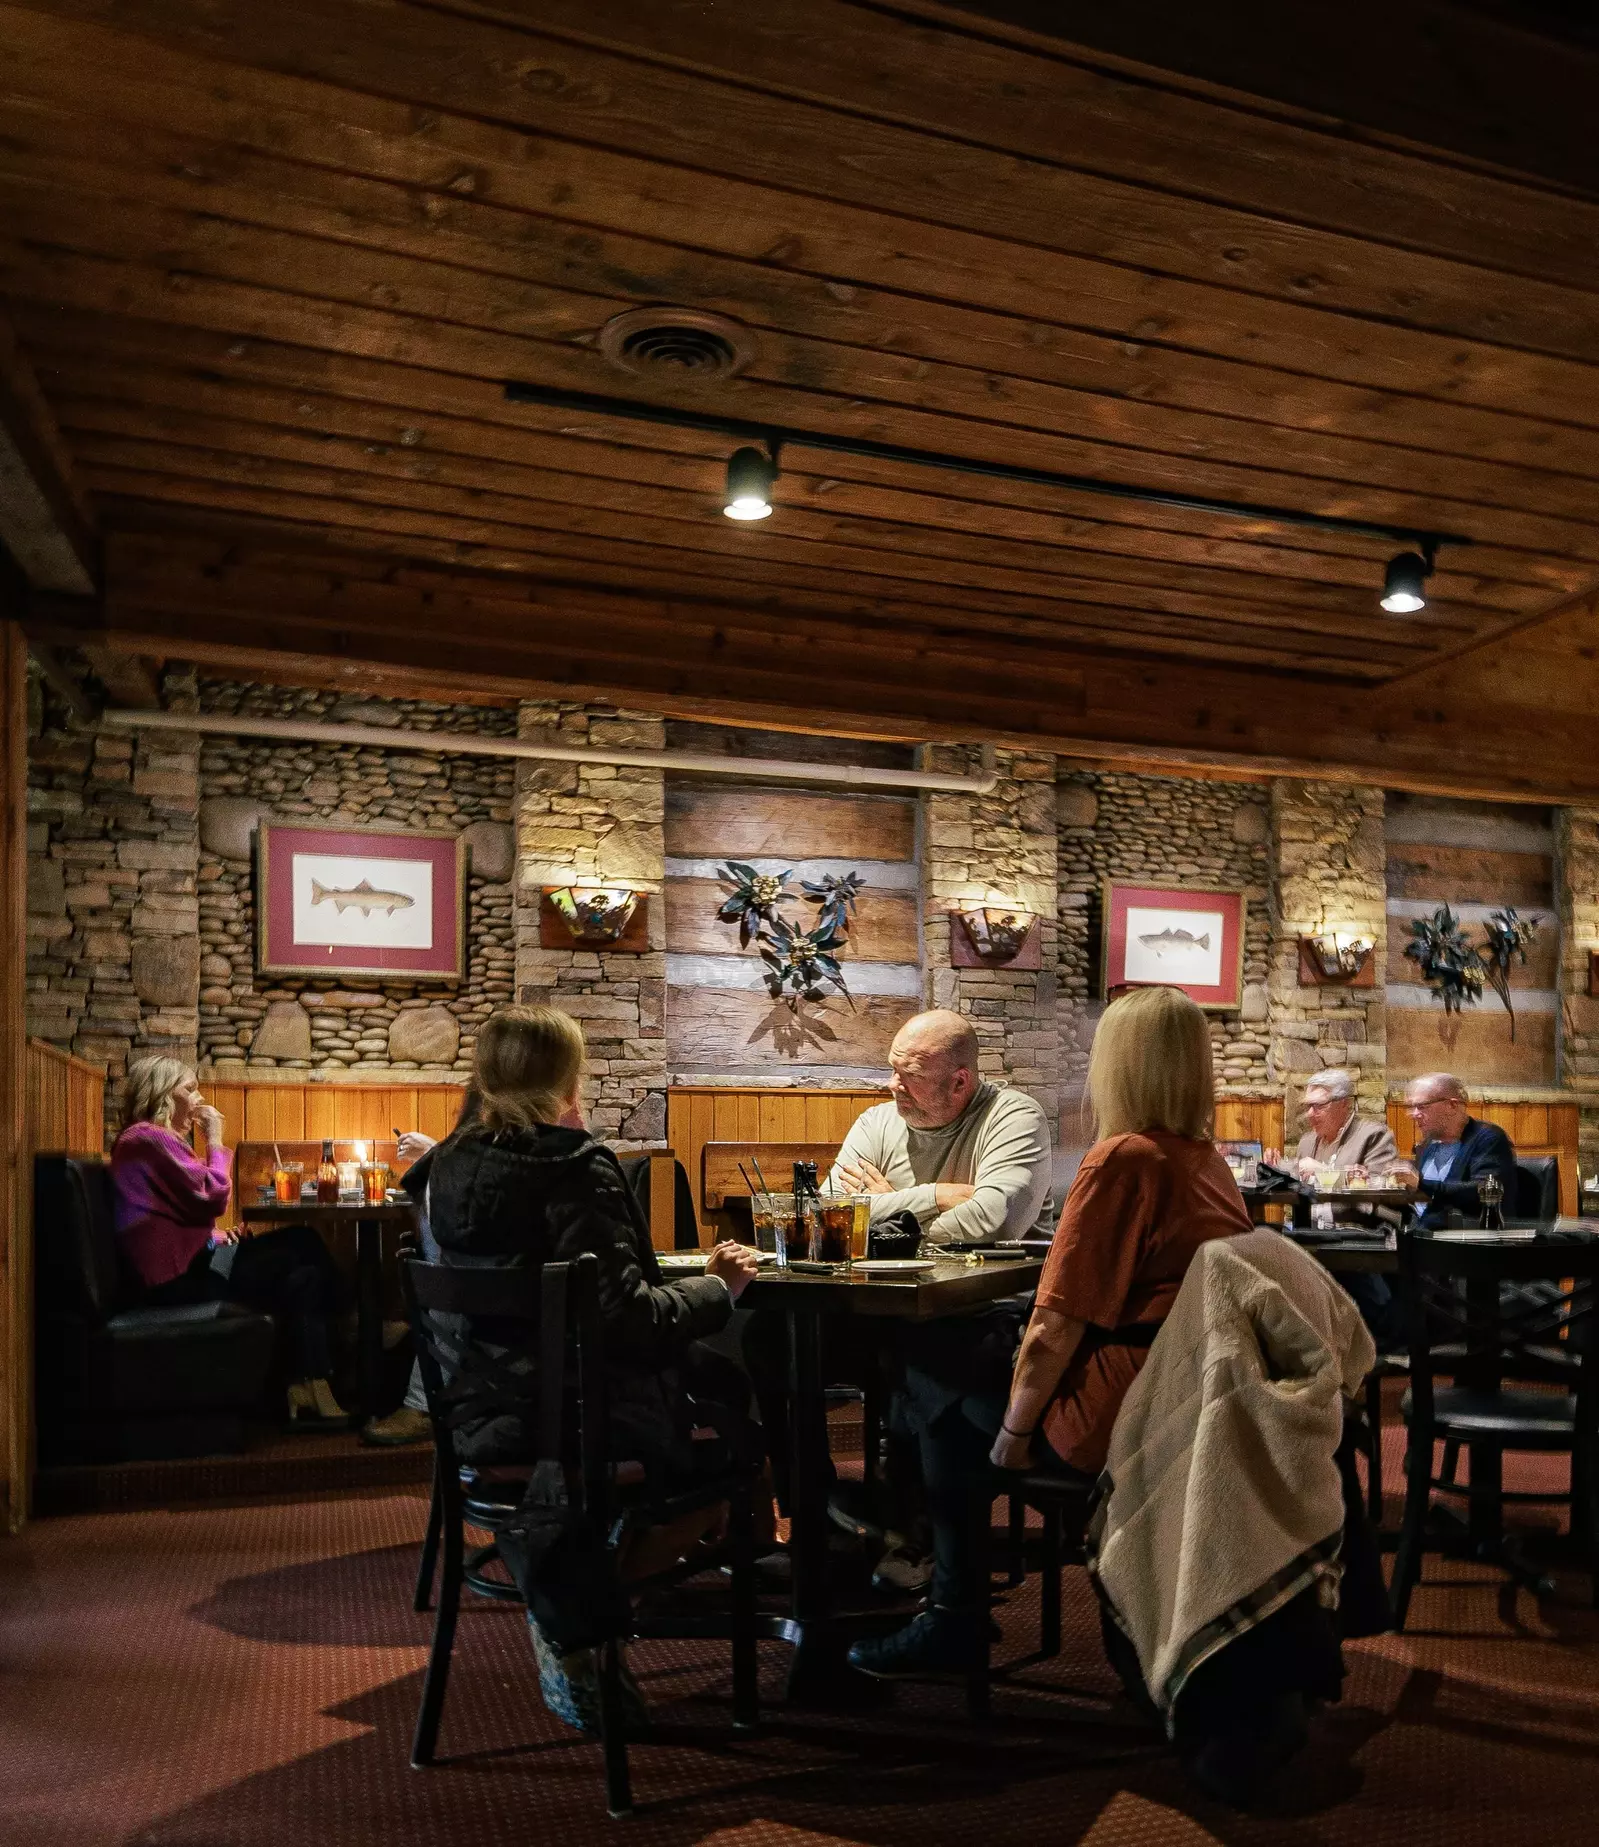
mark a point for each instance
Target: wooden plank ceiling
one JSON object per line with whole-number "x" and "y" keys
{"x": 271, "y": 262}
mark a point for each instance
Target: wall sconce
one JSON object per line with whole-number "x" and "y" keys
{"x": 995, "y": 935}
{"x": 594, "y": 917}
{"x": 1336, "y": 958}
{"x": 1593, "y": 971}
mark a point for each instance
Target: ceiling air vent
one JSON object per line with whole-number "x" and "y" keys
{"x": 682, "y": 343}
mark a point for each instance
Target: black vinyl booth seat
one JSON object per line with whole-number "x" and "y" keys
{"x": 117, "y": 1381}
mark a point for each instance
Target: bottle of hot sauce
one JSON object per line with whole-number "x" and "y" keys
{"x": 327, "y": 1178}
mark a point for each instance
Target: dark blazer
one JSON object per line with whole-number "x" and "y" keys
{"x": 1484, "y": 1149}
{"x": 514, "y": 1197}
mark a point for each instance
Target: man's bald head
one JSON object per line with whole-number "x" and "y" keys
{"x": 933, "y": 1068}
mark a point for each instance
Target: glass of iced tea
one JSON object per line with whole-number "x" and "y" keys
{"x": 286, "y": 1182}
{"x": 838, "y": 1230}
{"x": 860, "y": 1231}
{"x": 375, "y": 1180}
{"x": 763, "y": 1215}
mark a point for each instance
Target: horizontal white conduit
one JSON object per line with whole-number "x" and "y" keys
{"x": 472, "y": 744}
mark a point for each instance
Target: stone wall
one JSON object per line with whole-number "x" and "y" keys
{"x": 1170, "y": 830}
{"x": 974, "y": 849}
{"x": 1329, "y": 856}
{"x": 596, "y": 823}
{"x": 345, "y": 1024}
{"x": 113, "y": 948}
{"x": 1577, "y": 888}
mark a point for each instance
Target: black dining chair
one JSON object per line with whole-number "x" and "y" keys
{"x": 1065, "y": 1507}
{"x": 545, "y": 1365}
{"x": 1537, "y": 1187}
{"x": 1484, "y": 1314}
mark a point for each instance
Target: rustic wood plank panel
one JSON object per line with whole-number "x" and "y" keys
{"x": 883, "y": 929}
{"x": 289, "y": 1111}
{"x": 726, "y": 1029}
{"x": 1250, "y": 1119}
{"x": 719, "y": 1165}
{"x": 758, "y": 1114}
{"x": 260, "y": 1114}
{"x": 1476, "y": 1047}
{"x": 319, "y": 1114}
{"x": 1470, "y": 875}
{"x": 766, "y": 823}
{"x": 432, "y": 1114}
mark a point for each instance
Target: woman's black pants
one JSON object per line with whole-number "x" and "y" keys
{"x": 287, "y": 1274}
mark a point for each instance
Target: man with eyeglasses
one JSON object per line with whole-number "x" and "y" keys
{"x": 1454, "y": 1150}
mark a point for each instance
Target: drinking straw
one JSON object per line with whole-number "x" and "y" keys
{"x": 749, "y": 1182}
{"x": 758, "y": 1174}
{"x": 278, "y": 1158}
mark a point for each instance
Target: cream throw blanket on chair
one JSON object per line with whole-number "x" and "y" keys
{"x": 1222, "y": 1497}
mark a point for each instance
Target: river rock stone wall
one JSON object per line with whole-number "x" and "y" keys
{"x": 332, "y": 1026}
{"x": 1330, "y": 861}
{"x": 598, "y": 824}
{"x": 975, "y": 848}
{"x": 1577, "y": 892}
{"x": 1167, "y": 830}
{"x": 113, "y": 959}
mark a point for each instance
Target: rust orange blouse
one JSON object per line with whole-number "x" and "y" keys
{"x": 1140, "y": 1207}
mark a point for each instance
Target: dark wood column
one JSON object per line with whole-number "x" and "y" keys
{"x": 16, "y": 1190}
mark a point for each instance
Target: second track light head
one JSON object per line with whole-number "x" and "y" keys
{"x": 749, "y": 485}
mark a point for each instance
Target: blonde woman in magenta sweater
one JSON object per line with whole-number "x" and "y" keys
{"x": 168, "y": 1200}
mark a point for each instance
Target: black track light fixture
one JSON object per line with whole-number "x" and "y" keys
{"x": 1402, "y": 585}
{"x": 749, "y": 484}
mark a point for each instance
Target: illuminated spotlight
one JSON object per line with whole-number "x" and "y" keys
{"x": 749, "y": 484}
{"x": 1402, "y": 592}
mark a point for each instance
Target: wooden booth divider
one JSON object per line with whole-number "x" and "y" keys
{"x": 66, "y": 1102}
{"x": 253, "y": 1111}
{"x": 1534, "y": 1128}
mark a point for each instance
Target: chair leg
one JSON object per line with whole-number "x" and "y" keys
{"x": 437, "y": 1678}
{"x": 1451, "y": 1466}
{"x": 979, "y": 1667}
{"x": 430, "y": 1550}
{"x": 618, "y": 1781}
{"x": 1016, "y": 1565}
{"x": 1374, "y": 1447}
{"x": 871, "y": 1430}
{"x": 1413, "y": 1529}
{"x": 1049, "y": 1590}
{"x": 746, "y": 1690}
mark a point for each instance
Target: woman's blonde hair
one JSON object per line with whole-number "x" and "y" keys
{"x": 528, "y": 1066}
{"x": 147, "y": 1089}
{"x": 1150, "y": 1067}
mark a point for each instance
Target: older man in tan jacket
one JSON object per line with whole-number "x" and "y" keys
{"x": 1337, "y": 1135}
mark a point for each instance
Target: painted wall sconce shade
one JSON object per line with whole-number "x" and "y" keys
{"x": 1334, "y": 957}
{"x": 997, "y": 932}
{"x": 595, "y": 914}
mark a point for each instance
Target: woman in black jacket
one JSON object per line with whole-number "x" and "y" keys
{"x": 527, "y": 1184}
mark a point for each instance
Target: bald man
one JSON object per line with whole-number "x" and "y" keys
{"x": 970, "y": 1160}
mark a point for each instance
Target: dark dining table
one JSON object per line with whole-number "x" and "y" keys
{"x": 953, "y": 1285}
{"x": 1352, "y": 1253}
{"x": 368, "y": 1223}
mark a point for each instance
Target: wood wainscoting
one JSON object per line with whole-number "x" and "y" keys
{"x": 1250, "y": 1119}
{"x": 66, "y": 1102}
{"x": 1534, "y": 1129}
{"x": 253, "y": 1111}
{"x": 697, "y": 1114}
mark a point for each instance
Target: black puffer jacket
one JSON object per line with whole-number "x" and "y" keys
{"x": 513, "y": 1197}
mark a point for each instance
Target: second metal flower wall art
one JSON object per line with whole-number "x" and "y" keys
{"x": 801, "y": 963}
{"x": 1455, "y": 968}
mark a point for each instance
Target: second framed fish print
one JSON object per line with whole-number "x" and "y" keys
{"x": 359, "y": 901}
{"x": 1176, "y": 937}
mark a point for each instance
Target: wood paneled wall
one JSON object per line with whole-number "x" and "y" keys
{"x": 66, "y": 1102}
{"x": 1534, "y": 1128}
{"x": 1250, "y": 1119}
{"x": 289, "y": 1112}
{"x": 697, "y": 1114}
{"x": 719, "y": 1017}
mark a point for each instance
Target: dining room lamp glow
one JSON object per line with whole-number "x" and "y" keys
{"x": 749, "y": 485}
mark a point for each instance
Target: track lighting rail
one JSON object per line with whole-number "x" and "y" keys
{"x": 774, "y": 435}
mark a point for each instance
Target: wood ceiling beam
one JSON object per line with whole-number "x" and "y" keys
{"x": 1514, "y": 727}
{"x": 45, "y": 523}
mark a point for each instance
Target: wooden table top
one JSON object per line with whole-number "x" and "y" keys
{"x": 309, "y": 1212}
{"x": 952, "y": 1287}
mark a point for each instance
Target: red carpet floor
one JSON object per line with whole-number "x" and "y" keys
{"x": 247, "y": 1676}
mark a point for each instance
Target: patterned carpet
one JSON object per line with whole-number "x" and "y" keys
{"x": 247, "y": 1676}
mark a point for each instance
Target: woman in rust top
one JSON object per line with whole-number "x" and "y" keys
{"x": 1149, "y": 1192}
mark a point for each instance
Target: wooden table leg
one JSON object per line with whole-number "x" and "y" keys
{"x": 369, "y": 1313}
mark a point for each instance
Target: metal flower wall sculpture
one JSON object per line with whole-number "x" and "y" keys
{"x": 800, "y": 964}
{"x": 1455, "y": 968}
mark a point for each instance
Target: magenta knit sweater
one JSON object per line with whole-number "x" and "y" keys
{"x": 168, "y": 1199}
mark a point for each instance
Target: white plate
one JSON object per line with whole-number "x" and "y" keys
{"x": 695, "y": 1260}
{"x": 893, "y": 1266}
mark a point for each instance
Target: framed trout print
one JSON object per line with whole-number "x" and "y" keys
{"x": 1173, "y": 936}
{"x": 359, "y": 901}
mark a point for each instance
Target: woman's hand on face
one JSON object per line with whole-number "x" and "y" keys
{"x": 210, "y": 1121}
{"x": 735, "y": 1264}
{"x": 1011, "y": 1452}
